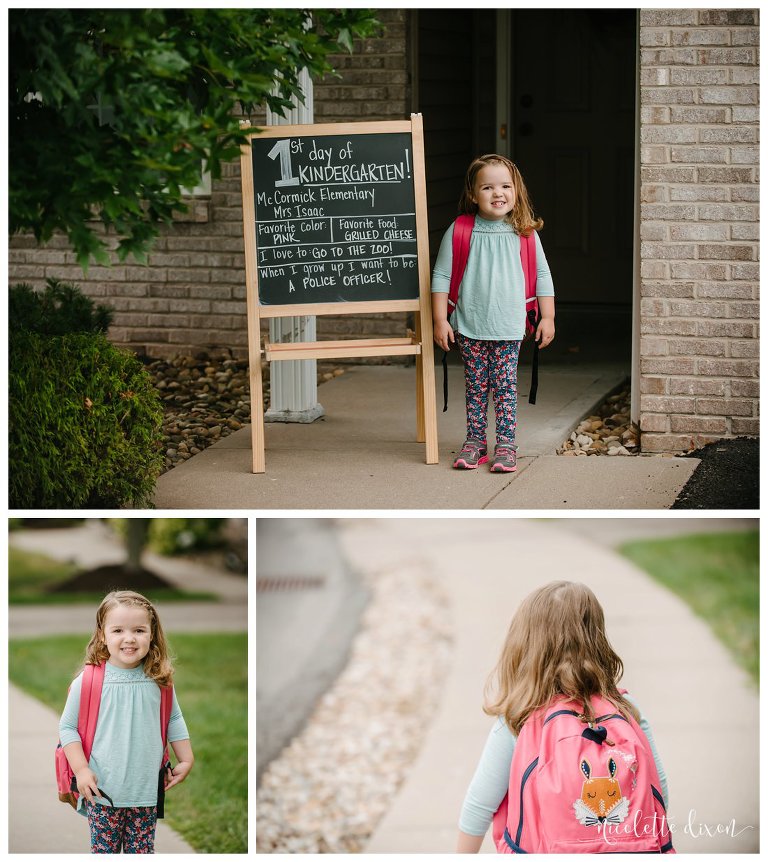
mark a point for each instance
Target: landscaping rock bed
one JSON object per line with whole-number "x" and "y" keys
{"x": 326, "y": 792}
{"x": 609, "y": 431}
{"x": 205, "y": 398}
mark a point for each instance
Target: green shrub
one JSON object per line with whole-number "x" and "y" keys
{"x": 170, "y": 536}
{"x": 180, "y": 535}
{"x": 59, "y": 309}
{"x": 84, "y": 423}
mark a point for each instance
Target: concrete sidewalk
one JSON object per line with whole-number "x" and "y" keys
{"x": 363, "y": 454}
{"x": 38, "y": 822}
{"x": 674, "y": 668}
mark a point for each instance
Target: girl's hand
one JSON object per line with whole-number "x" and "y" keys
{"x": 545, "y": 331}
{"x": 87, "y": 784}
{"x": 177, "y": 774}
{"x": 444, "y": 336}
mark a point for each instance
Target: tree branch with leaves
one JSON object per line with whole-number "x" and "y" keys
{"x": 114, "y": 113}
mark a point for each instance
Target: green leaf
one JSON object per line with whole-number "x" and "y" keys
{"x": 345, "y": 39}
{"x": 134, "y": 100}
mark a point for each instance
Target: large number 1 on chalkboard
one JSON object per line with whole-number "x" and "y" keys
{"x": 283, "y": 149}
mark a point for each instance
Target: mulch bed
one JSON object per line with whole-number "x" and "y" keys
{"x": 727, "y": 478}
{"x": 111, "y": 577}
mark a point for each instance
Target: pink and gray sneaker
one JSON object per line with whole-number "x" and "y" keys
{"x": 504, "y": 458}
{"x": 473, "y": 453}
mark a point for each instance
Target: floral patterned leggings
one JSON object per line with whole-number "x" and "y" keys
{"x": 131, "y": 830}
{"x": 490, "y": 365}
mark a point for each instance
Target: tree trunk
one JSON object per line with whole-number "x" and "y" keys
{"x": 135, "y": 540}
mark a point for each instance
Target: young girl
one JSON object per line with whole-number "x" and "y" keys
{"x": 125, "y": 761}
{"x": 489, "y": 319}
{"x": 556, "y": 649}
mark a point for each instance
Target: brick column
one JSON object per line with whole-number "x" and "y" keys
{"x": 699, "y": 353}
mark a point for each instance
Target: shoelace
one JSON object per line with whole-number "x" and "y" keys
{"x": 470, "y": 448}
{"x": 504, "y": 452}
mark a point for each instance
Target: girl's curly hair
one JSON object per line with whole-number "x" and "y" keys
{"x": 521, "y": 218}
{"x": 157, "y": 663}
{"x": 556, "y": 647}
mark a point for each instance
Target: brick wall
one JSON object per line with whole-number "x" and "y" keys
{"x": 192, "y": 292}
{"x": 699, "y": 226}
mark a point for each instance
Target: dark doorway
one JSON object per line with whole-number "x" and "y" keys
{"x": 572, "y": 113}
{"x": 568, "y": 120}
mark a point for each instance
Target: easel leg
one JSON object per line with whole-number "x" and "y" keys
{"x": 257, "y": 417}
{"x": 420, "y": 430}
{"x": 425, "y": 385}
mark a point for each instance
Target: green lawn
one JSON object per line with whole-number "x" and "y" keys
{"x": 210, "y": 809}
{"x": 718, "y": 575}
{"x": 31, "y": 576}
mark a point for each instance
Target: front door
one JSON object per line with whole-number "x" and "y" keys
{"x": 572, "y": 136}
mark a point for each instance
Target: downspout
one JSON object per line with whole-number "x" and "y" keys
{"x": 293, "y": 383}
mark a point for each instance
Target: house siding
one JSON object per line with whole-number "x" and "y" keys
{"x": 699, "y": 124}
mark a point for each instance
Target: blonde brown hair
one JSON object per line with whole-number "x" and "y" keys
{"x": 556, "y": 647}
{"x": 157, "y": 663}
{"x": 521, "y": 218}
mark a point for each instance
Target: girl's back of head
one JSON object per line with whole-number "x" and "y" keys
{"x": 157, "y": 663}
{"x": 556, "y": 647}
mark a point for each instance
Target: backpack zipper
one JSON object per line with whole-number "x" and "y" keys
{"x": 526, "y": 776}
{"x": 577, "y": 714}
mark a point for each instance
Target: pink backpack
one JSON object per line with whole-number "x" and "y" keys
{"x": 462, "y": 233}
{"x": 88, "y": 715}
{"x": 576, "y": 787}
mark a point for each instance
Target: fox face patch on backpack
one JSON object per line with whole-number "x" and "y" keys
{"x": 581, "y": 786}
{"x": 601, "y": 800}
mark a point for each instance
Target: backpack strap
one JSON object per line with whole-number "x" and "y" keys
{"x": 90, "y": 700}
{"x": 528, "y": 260}
{"x": 166, "y": 706}
{"x": 462, "y": 233}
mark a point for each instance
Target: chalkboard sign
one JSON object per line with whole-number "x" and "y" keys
{"x": 335, "y": 218}
{"x": 335, "y": 222}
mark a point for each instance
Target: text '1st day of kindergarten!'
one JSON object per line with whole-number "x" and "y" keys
{"x": 335, "y": 218}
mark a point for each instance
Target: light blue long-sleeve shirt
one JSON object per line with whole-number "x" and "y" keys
{"x": 491, "y": 304}
{"x": 128, "y": 745}
{"x": 490, "y": 782}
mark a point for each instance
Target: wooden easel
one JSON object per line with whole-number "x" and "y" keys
{"x": 418, "y": 343}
